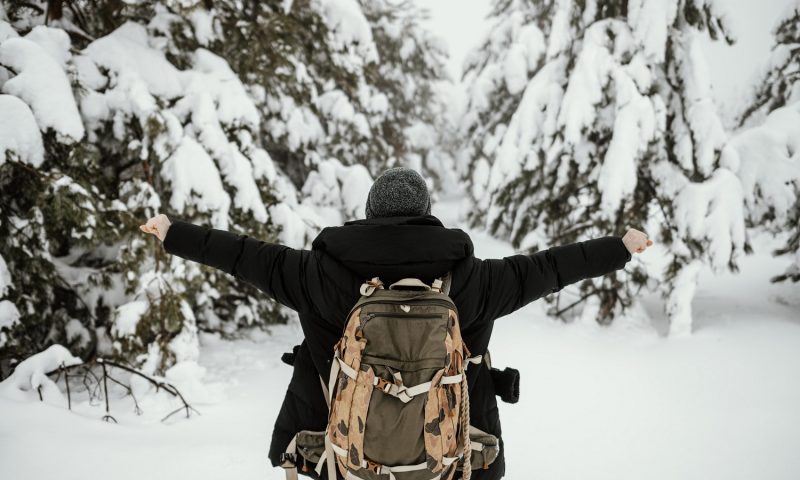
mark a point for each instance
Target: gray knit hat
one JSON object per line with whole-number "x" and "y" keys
{"x": 398, "y": 192}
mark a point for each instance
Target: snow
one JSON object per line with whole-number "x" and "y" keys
{"x": 294, "y": 231}
{"x": 621, "y": 403}
{"x": 334, "y": 188}
{"x": 635, "y": 126}
{"x": 6, "y": 31}
{"x": 527, "y": 125}
{"x": 712, "y": 211}
{"x": 302, "y": 126}
{"x": 651, "y": 21}
{"x": 524, "y": 53}
{"x": 263, "y": 167}
{"x": 708, "y": 132}
{"x": 346, "y": 19}
{"x": 125, "y": 52}
{"x": 641, "y": 399}
{"x": 767, "y": 160}
{"x": 77, "y": 333}
{"x": 235, "y": 107}
{"x": 588, "y": 79}
{"x": 356, "y": 183}
{"x": 203, "y": 23}
{"x": 215, "y": 99}
{"x": 19, "y": 133}
{"x": 41, "y": 82}
{"x": 5, "y": 277}
{"x": 195, "y": 181}
{"x": 335, "y": 105}
{"x": 679, "y": 301}
{"x": 239, "y": 173}
{"x": 54, "y": 41}
{"x": 127, "y": 318}
{"x": 30, "y": 374}
{"x": 515, "y": 69}
{"x": 191, "y": 377}
{"x": 534, "y": 44}
{"x": 559, "y": 37}
{"x": 185, "y": 345}
{"x": 736, "y": 68}
{"x": 9, "y": 317}
{"x": 617, "y": 404}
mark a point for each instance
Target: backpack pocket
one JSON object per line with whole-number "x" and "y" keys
{"x": 311, "y": 446}
{"x": 485, "y": 448}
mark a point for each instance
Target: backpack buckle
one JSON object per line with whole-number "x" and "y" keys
{"x": 383, "y": 385}
{"x": 373, "y": 467}
{"x": 287, "y": 460}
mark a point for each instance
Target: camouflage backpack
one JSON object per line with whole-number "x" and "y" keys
{"x": 397, "y": 392}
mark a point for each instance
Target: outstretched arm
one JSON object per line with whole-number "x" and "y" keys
{"x": 515, "y": 281}
{"x": 275, "y": 269}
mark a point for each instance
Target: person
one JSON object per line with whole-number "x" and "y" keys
{"x": 399, "y": 238}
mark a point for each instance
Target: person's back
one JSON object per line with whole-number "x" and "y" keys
{"x": 398, "y": 239}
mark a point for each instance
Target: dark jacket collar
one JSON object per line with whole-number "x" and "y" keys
{"x": 395, "y": 247}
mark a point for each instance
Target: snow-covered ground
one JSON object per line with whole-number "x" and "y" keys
{"x": 597, "y": 403}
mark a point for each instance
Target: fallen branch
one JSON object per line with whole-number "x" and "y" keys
{"x": 93, "y": 383}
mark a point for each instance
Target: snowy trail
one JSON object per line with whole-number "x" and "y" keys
{"x": 597, "y": 403}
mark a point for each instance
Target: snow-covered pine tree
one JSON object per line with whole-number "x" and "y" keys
{"x": 47, "y": 216}
{"x": 105, "y": 134}
{"x": 587, "y": 117}
{"x": 181, "y": 107}
{"x": 780, "y": 85}
{"x": 339, "y": 85}
{"x": 414, "y": 130}
{"x": 765, "y": 153}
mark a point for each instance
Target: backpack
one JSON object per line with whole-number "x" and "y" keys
{"x": 397, "y": 392}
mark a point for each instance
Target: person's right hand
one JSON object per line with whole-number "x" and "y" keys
{"x": 636, "y": 241}
{"x": 157, "y": 226}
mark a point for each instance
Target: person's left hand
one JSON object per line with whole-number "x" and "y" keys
{"x": 157, "y": 226}
{"x": 636, "y": 241}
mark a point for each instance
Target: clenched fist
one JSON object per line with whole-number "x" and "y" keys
{"x": 157, "y": 225}
{"x": 636, "y": 241}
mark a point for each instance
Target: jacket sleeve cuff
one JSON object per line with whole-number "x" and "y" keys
{"x": 626, "y": 254}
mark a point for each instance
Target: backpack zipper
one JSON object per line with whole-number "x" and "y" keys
{"x": 441, "y": 303}
{"x": 370, "y": 316}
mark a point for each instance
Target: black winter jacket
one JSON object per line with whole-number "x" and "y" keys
{"x": 322, "y": 284}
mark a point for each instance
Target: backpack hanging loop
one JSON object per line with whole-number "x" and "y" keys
{"x": 410, "y": 284}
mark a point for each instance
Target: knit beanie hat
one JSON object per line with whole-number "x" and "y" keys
{"x": 398, "y": 192}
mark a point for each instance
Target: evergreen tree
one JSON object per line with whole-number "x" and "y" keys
{"x": 123, "y": 109}
{"x": 588, "y": 117}
{"x": 781, "y": 83}
{"x": 126, "y": 130}
{"x": 410, "y": 72}
{"x": 335, "y": 82}
{"x": 765, "y": 152}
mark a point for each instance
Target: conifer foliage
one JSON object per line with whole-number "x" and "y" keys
{"x": 765, "y": 152}
{"x": 586, "y": 117}
{"x": 267, "y": 118}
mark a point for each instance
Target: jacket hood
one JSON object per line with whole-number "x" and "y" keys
{"x": 396, "y": 247}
